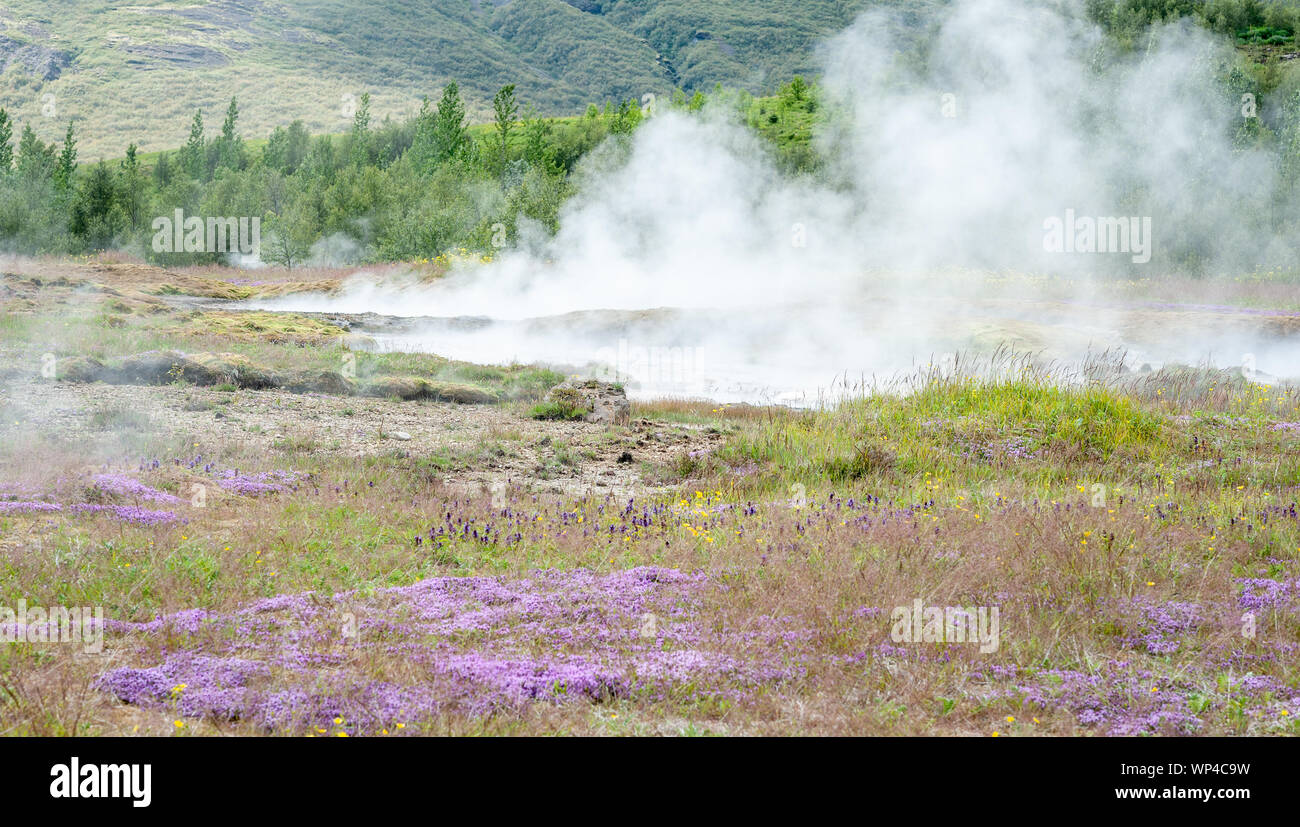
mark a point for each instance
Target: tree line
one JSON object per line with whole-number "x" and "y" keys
{"x": 408, "y": 189}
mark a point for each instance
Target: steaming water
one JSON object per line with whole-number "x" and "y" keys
{"x": 797, "y": 354}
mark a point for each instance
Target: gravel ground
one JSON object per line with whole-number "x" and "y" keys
{"x": 479, "y": 444}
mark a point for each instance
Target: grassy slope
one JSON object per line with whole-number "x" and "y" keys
{"x": 297, "y": 60}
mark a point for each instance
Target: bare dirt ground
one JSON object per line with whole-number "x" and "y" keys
{"x": 119, "y": 272}
{"x": 475, "y": 446}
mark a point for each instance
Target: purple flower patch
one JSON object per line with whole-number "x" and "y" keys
{"x": 128, "y": 513}
{"x": 122, "y": 485}
{"x": 1163, "y": 627}
{"x": 10, "y": 507}
{"x": 476, "y": 645}
{"x": 1259, "y": 594}
{"x": 254, "y": 485}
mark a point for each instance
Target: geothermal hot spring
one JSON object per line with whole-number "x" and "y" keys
{"x": 806, "y": 353}
{"x": 688, "y": 263}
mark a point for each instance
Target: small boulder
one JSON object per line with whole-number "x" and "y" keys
{"x": 155, "y": 367}
{"x": 402, "y": 387}
{"x": 229, "y": 368}
{"x": 80, "y": 369}
{"x": 161, "y": 367}
{"x": 415, "y": 387}
{"x": 603, "y": 402}
{"x": 359, "y": 342}
{"x": 328, "y": 382}
{"x": 462, "y": 394}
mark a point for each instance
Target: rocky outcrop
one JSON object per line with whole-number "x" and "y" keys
{"x": 38, "y": 61}
{"x": 603, "y": 402}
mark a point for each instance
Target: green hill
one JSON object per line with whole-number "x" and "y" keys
{"x": 138, "y": 71}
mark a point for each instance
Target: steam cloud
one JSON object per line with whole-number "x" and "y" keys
{"x": 782, "y": 286}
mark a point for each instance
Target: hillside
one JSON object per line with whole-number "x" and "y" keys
{"x": 138, "y": 71}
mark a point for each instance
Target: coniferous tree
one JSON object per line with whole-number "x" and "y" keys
{"x": 422, "y": 149}
{"x": 6, "y": 143}
{"x": 193, "y": 156}
{"x": 67, "y": 163}
{"x": 35, "y": 158}
{"x": 230, "y": 149}
{"x": 276, "y": 150}
{"x": 94, "y": 211}
{"x": 132, "y": 188}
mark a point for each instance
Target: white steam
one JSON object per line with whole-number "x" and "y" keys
{"x": 739, "y": 282}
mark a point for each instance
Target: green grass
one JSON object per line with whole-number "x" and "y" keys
{"x": 558, "y": 410}
{"x": 958, "y": 432}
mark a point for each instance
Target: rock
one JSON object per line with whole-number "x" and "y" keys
{"x": 464, "y": 394}
{"x": 230, "y": 368}
{"x": 402, "y": 387}
{"x": 80, "y": 369}
{"x": 604, "y": 402}
{"x": 401, "y": 436}
{"x": 39, "y": 61}
{"x": 325, "y": 381}
{"x": 162, "y": 367}
{"x": 154, "y": 367}
{"x": 358, "y": 341}
{"x": 179, "y": 55}
{"x": 415, "y": 387}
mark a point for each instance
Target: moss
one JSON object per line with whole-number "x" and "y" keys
{"x": 288, "y": 328}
